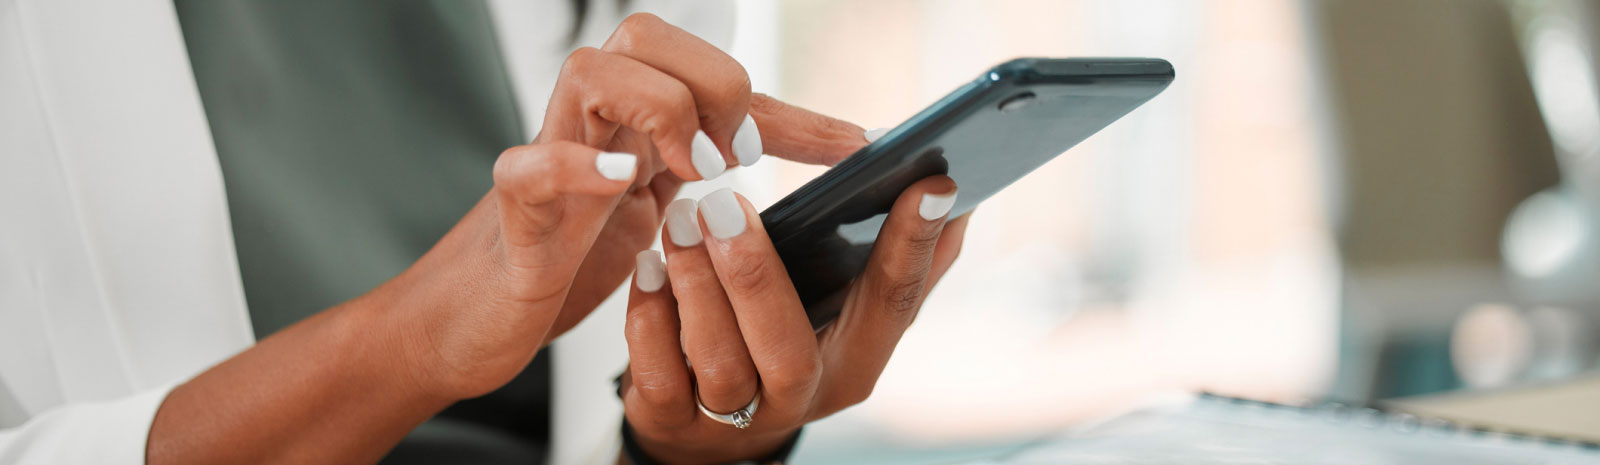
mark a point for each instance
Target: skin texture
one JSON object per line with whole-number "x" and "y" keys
{"x": 530, "y": 260}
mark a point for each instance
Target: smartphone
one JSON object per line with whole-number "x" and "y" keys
{"x": 986, "y": 135}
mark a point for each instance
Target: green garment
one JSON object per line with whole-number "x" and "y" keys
{"x": 352, "y": 135}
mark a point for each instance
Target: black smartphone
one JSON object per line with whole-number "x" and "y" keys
{"x": 985, "y": 135}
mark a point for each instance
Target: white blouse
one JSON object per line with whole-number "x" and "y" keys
{"x": 118, "y": 278}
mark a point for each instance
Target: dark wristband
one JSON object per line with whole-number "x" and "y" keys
{"x": 636, "y": 455}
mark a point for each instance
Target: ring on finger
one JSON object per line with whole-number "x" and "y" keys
{"x": 740, "y": 418}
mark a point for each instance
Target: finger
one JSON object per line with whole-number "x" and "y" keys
{"x": 720, "y": 85}
{"x": 558, "y": 187}
{"x": 598, "y": 91}
{"x": 724, "y": 374}
{"x": 944, "y": 254}
{"x": 664, "y": 186}
{"x": 797, "y": 134}
{"x": 658, "y": 390}
{"x": 885, "y": 299}
{"x": 769, "y": 312}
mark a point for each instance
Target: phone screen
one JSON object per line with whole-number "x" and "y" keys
{"x": 986, "y": 135}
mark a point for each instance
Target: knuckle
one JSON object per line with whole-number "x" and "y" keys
{"x": 657, "y": 393}
{"x": 732, "y": 97}
{"x": 521, "y": 175}
{"x": 579, "y": 61}
{"x": 508, "y": 166}
{"x": 921, "y": 242}
{"x": 832, "y": 129}
{"x": 750, "y": 275}
{"x": 901, "y": 296}
{"x": 673, "y": 100}
{"x": 724, "y": 379}
{"x": 763, "y": 103}
{"x": 523, "y": 164}
{"x": 856, "y": 393}
{"x": 640, "y": 324}
{"x": 641, "y": 22}
{"x": 543, "y": 222}
{"x": 794, "y": 374}
{"x": 634, "y": 28}
{"x": 736, "y": 87}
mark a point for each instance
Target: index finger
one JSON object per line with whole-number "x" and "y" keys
{"x": 797, "y": 134}
{"x": 721, "y": 89}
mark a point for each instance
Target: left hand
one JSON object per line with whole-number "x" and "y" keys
{"x": 731, "y": 310}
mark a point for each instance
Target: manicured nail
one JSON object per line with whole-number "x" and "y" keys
{"x": 723, "y": 213}
{"x": 682, "y": 226}
{"x": 747, "y": 142}
{"x": 934, "y": 207}
{"x": 649, "y": 271}
{"x": 616, "y": 166}
{"x": 704, "y": 156}
{"x": 872, "y": 135}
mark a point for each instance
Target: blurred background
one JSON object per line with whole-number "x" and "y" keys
{"x": 1356, "y": 200}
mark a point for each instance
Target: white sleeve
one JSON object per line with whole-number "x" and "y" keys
{"x": 98, "y": 433}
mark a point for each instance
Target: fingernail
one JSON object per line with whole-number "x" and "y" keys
{"x": 650, "y": 272}
{"x": 934, "y": 206}
{"x": 616, "y": 166}
{"x": 747, "y": 142}
{"x": 682, "y": 226}
{"x": 704, "y": 156}
{"x": 872, "y": 135}
{"x": 724, "y": 216}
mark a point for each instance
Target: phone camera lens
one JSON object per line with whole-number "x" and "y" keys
{"x": 1016, "y": 102}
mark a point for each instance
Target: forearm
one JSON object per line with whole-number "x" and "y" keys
{"x": 341, "y": 387}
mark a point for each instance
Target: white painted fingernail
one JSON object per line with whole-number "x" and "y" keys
{"x": 872, "y": 135}
{"x": 649, "y": 271}
{"x": 747, "y": 142}
{"x": 704, "y": 156}
{"x": 616, "y": 166}
{"x": 682, "y": 225}
{"x": 723, "y": 213}
{"x": 934, "y": 207}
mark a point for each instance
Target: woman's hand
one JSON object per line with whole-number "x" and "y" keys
{"x": 556, "y": 236}
{"x": 656, "y": 90}
{"x": 724, "y": 302}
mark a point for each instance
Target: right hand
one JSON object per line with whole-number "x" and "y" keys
{"x": 555, "y": 236}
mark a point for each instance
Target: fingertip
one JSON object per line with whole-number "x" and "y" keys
{"x": 650, "y": 272}
{"x": 724, "y": 214}
{"x": 747, "y": 142}
{"x": 683, "y": 229}
{"x": 617, "y": 166}
{"x": 872, "y": 135}
{"x": 934, "y": 207}
{"x": 935, "y": 197}
{"x": 676, "y": 152}
{"x": 705, "y": 157}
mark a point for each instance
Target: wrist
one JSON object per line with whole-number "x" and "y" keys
{"x": 442, "y": 344}
{"x": 461, "y": 328}
{"x": 773, "y": 447}
{"x": 411, "y": 357}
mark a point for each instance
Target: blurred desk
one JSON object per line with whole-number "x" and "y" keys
{"x": 1568, "y": 409}
{"x": 1225, "y": 431}
{"x": 1215, "y": 430}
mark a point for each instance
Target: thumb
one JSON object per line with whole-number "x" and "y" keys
{"x": 797, "y": 134}
{"x": 555, "y": 197}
